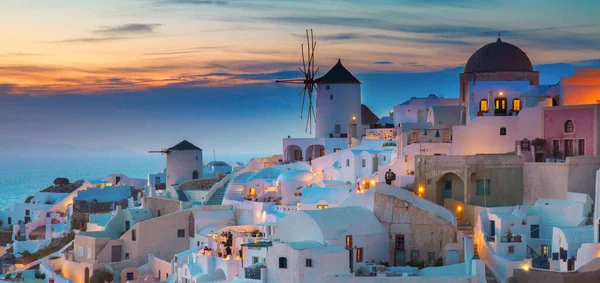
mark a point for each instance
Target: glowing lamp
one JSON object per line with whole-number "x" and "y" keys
{"x": 372, "y": 182}
{"x": 421, "y": 189}
{"x": 501, "y": 93}
{"x": 353, "y": 118}
{"x": 525, "y": 267}
{"x": 459, "y": 209}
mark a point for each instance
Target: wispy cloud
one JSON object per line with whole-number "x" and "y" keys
{"x": 114, "y": 33}
{"x": 134, "y": 28}
{"x": 184, "y": 51}
{"x": 383, "y": 63}
{"x": 92, "y": 39}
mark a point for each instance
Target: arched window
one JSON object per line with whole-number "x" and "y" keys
{"x": 503, "y": 131}
{"x": 516, "y": 104}
{"x": 195, "y": 175}
{"x": 569, "y": 126}
{"x": 483, "y": 105}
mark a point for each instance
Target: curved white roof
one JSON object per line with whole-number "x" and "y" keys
{"x": 267, "y": 173}
{"x": 337, "y": 222}
{"x": 328, "y": 224}
{"x": 295, "y": 176}
{"x": 313, "y": 195}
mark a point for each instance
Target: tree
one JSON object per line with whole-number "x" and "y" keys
{"x": 101, "y": 276}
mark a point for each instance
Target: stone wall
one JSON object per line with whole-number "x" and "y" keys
{"x": 5, "y": 237}
{"x": 165, "y": 206}
{"x": 83, "y": 207}
{"x": 423, "y": 231}
{"x": 554, "y": 180}
{"x": 505, "y": 172}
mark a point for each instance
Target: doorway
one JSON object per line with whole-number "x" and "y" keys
{"x": 447, "y": 192}
{"x": 500, "y": 107}
{"x": 353, "y": 132}
{"x": 492, "y": 228}
{"x": 375, "y": 164}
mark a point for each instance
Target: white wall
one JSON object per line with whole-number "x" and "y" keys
{"x": 409, "y": 111}
{"x": 482, "y": 135}
{"x": 181, "y": 164}
{"x": 337, "y": 105}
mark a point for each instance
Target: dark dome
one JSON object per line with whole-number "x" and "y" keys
{"x": 499, "y": 57}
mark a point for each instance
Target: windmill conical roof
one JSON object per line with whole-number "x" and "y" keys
{"x": 184, "y": 145}
{"x": 338, "y": 75}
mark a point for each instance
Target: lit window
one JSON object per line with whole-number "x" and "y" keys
{"x": 569, "y": 126}
{"x": 511, "y": 249}
{"x": 500, "y": 103}
{"x": 337, "y": 149}
{"x": 483, "y": 105}
{"x": 348, "y": 242}
{"x": 359, "y": 255}
{"x": 516, "y": 105}
{"x": 322, "y": 206}
{"x": 545, "y": 250}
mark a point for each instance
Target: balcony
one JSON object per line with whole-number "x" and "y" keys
{"x": 430, "y": 136}
{"x": 252, "y": 273}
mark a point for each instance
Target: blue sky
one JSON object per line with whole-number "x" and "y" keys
{"x": 146, "y": 74}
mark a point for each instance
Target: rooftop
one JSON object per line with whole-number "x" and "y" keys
{"x": 338, "y": 75}
{"x": 498, "y": 56}
{"x": 184, "y": 145}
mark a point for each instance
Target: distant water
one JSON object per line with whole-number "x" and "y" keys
{"x": 22, "y": 177}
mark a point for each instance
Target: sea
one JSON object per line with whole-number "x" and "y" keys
{"x": 21, "y": 177}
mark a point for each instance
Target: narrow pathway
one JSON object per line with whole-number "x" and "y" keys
{"x": 467, "y": 229}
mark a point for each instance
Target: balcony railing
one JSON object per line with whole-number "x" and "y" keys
{"x": 252, "y": 273}
{"x": 513, "y": 239}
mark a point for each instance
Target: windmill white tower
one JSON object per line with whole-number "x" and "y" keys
{"x": 338, "y": 98}
{"x": 338, "y": 104}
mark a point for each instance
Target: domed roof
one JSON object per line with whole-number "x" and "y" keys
{"x": 295, "y": 176}
{"x": 498, "y": 56}
{"x": 268, "y": 173}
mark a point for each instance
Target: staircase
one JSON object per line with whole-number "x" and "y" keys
{"x": 217, "y": 197}
{"x": 235, "y": 188}
{"x": 467, "y": 229}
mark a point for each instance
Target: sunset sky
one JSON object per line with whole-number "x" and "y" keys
{"x": 144, "y": 74}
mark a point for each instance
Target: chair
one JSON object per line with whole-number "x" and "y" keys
{"x": 19, "y": 277}
{"x": 7, "y": 277}
{"x": 330, "y": 135}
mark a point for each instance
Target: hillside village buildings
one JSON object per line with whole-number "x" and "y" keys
{"x": 499, "y": 185}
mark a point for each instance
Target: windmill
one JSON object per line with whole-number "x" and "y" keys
{"x": 309, "y": 71}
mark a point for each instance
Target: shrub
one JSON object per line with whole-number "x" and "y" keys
{"x": 101, "y": 276}
{"x": 416, "y": 263}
